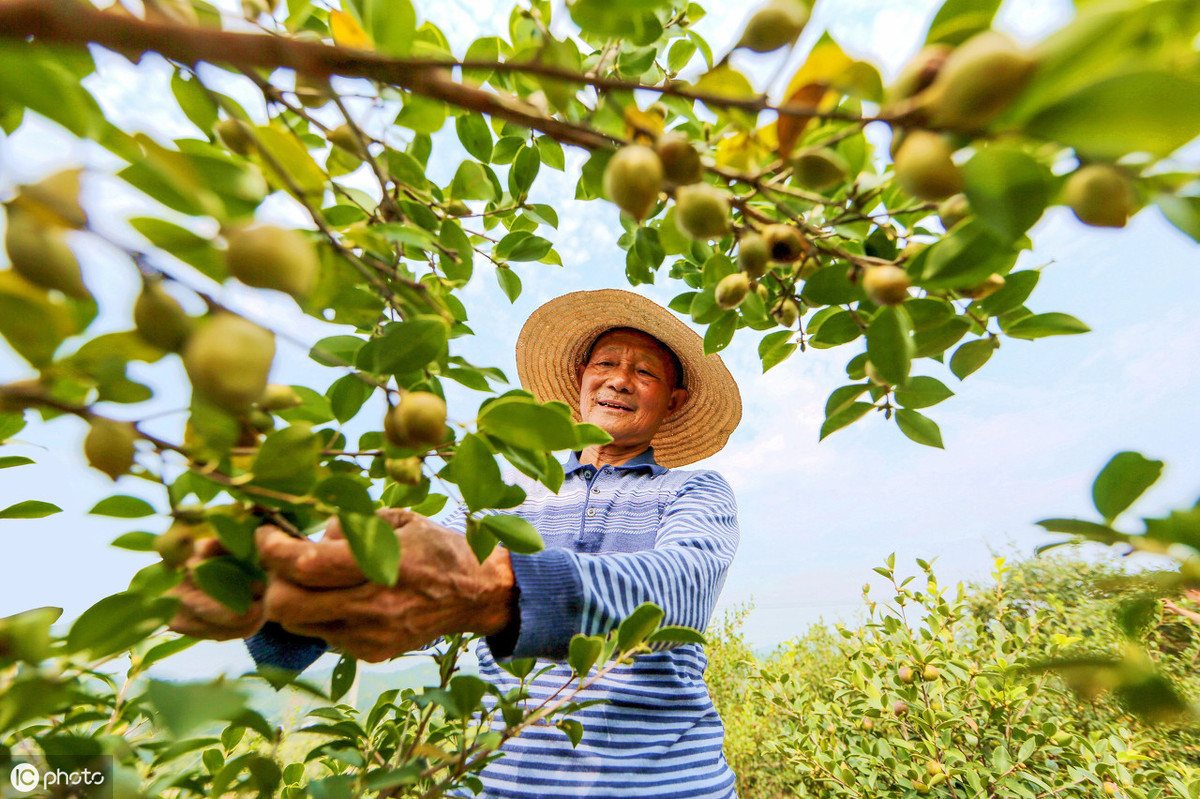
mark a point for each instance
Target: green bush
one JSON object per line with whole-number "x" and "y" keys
{"x": 943, "y": 693}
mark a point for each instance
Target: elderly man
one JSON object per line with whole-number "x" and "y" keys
{"x": 624, "y": 529}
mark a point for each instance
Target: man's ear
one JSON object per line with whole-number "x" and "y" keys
{"x": 679, "y": 398}
{"x": 579, "y": 367}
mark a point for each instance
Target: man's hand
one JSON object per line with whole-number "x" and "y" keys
{"x": 201, "y": 616}
{"x": 317, "y": 589}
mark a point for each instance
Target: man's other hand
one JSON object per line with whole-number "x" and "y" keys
{"x": 201, "y": 616}
{"x": 317, "y": 589}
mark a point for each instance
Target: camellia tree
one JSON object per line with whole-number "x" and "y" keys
{"x": 770, "y": 205}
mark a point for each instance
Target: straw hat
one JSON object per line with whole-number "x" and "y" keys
{"x": 557, "y": 336}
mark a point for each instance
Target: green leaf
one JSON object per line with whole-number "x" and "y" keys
{"x": 572, "y": 728}
{"x": 296, "y": 168}
{"x": 287, "y": 458}
{"x": 1007, "y": 188}
{"x": 475, "y": 135}
{"x": 842, "y": 398}
{"x": 527, "y": 424}
{"x": 29, "y": 509}
{"x": 375, "y": 546}
{"x": 515, "y": 533}
{"x": 1123, "y": 479}
{"x": 509, "y": 282}
{"x": 1046, "y": 324}
{"x": 117, "y": 622}
{"x": 391, "y": 25}
{"x": 674, "y": 634}
{"x": 422, "y": 114}
{"x": 775, "y": 348}
{"x": 524, "y": 170}
{"x": 839, "y": 328}
{"x": 720, "y": 333}
{"x": 1136, "y": 615}
{"x": 1182, "y": 212}
{"x": 583, "y": 653}
{"x": 337, "y": 350}
{"x": 971, "y": 356}
{"x": 958, "y": 20}
{"x": 405, "y": 347}
{"x": 182, "y": 707}
{"x": 522, "y": 246}
{"x": 1084, "y": 529}
{"x": 137, "y": 541}
{"x": 1155, "y": 111}
{"x": 633, "y": 630}
{"x": 922, "y": 392}
{"x": 476, "y": 473}
{"x": 345, "y": 493}
{"x": 347, "y": 395}
{"x": 194, "y": 101}
{"x": 935, "y": 341}
{"x": 920, "y": 429}
{"x": 227, "y": 581}
{"x": 343, "y": 677}
{"x": 1016, "y": 289}
{"x": 846, "y": 416}
{"x": 830, "y": 286}
{"x": 123, "y": 507}
{"x": 890, "y": 345}
{"x": 480, "y": 540}
{"x": 471, "y": 182}
{"x": 966, "y": 256}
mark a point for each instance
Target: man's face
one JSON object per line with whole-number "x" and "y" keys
{"x": 627, "y": 387}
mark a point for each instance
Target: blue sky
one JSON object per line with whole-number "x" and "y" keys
{"x": 1024, "y": 436}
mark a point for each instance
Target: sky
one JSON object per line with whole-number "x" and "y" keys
{"x": 1024, "y": 436}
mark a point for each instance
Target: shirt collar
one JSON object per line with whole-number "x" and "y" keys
{"x": 643, "y": 461}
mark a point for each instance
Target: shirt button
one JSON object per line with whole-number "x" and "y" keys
{"x": 591, "y": 511}
{"x": 595, "y": 491}
{"x": 587, "y": 475}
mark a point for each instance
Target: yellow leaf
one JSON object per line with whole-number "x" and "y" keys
{"x": 642, "y": 127}
{"x": 807, "y": 97}
{"x": 741, "y": 151}
{"x": 825, "y": 64}
{"x": 727, "y": 82}
{"x": 347, "y": 32}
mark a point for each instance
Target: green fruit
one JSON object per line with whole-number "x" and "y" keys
{"x": 953, "y": 210}
{"x": 269, "y": 257}
{"x": 458, "y": 208}
{"x": 819, "y": 169}
{"x": 228, "y": 359}
{"x": 784, "y": 242}
{"x": 786, "y": 313}
{"x": 732, "y": 289}
{"x": 109, "y": 446}
{"x": 633, "y": 179}
{"x": 900, "y": 708}
{"x": 753, "y": 255}
{"x": 806, "y": 267}
{"x": 933, "y": 767}
{"x": 159, "y": 319}
{"x": 906, "y": 674}
{"x": 886, "y": 285}
{"x": 279, "y": 397}
{"x": 830, "y": 728}
{"x": 235, "y": 135}
{"x": 775, "y": 25}
{"x": 54, "y": 200}
{"x": 919, "y": 72}
{"x": 701, "y": 211}
{"x": 680, "y": 161}
{"x": 979, "y": 80}
{"x": 1100, "y": 195}
{"x": 178, "y": 543}
{"x": 930, "y": 672}
{"x": 924, "y": 167}
{"x": 418, "y": 421}
{"x": 343, "y": 136}
{"x": 39, "y": 253}
{"x": 406, "y": 471}
{"x": 312, "y": 92}
{"x": 868, "y": 724}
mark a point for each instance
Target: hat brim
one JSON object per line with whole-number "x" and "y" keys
{"x": 557, "y": 337}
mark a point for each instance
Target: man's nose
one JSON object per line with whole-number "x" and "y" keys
{"x": 621, "y": 378}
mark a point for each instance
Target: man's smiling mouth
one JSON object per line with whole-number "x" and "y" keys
{"x": 616, "y": 405}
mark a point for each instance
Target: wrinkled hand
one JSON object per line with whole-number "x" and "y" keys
{"x": 317, "y": 589}
{"x": 201, "y": 616}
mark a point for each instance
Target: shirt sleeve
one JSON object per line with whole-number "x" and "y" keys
{"x": 564, "y": 592}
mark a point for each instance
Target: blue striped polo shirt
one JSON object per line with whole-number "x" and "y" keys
{"x": 616, "y": 536}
